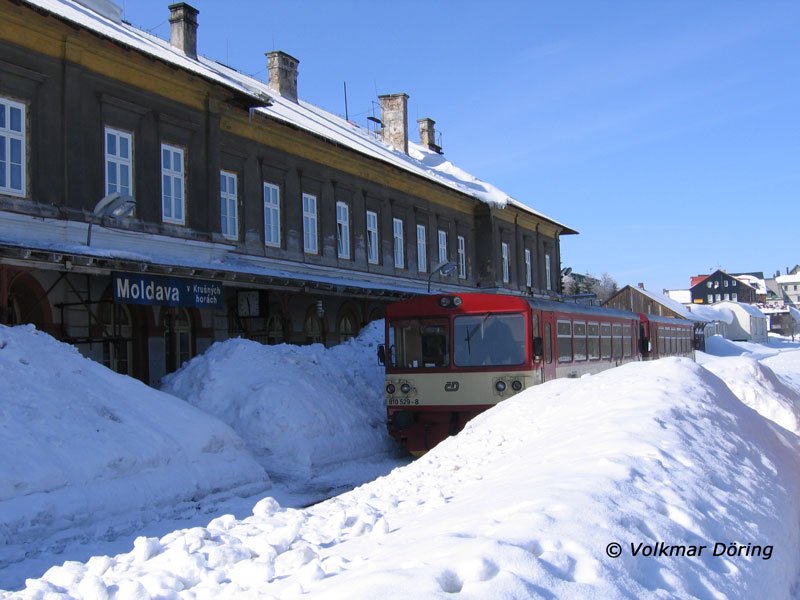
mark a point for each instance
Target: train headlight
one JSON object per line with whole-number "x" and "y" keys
{"x": 500, "y": 386}
{"x": 516, "y": 385}
{"x": 390, "y": 389}
{"x": 405, "y": 388}
{"x": 450, "y": 301}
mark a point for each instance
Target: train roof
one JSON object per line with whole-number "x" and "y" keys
{"x": 471, "y": 302}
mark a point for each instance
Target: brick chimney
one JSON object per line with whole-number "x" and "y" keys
{"x": 183, "y": 28}
{"x": 427, "y": 134}
{"x": 282, "y": 70}
{"x": 394, "y": 115}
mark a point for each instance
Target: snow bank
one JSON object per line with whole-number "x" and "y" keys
{"x": 716, "y": 345}
{"x": 759, "y": 387}
{"x": 81, "y": 443}
{"x": 298, "y": 408}
{"x": 526, "y": 502}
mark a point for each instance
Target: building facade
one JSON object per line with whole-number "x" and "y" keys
{"x": 721, "y": 287}
{"x": 153, "y": 201}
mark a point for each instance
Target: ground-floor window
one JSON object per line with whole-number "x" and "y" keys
{"x": 177, "y": 338}
{"x": 118, "y": 338}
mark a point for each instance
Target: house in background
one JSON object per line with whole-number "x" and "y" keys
{"x": 720, "y": 287}
{"x": 788, "y": 287}
{"x": 639, "y": 300}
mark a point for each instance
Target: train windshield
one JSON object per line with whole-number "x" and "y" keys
{"x": 489, "y": 340}
{"x": 419, "y": 344}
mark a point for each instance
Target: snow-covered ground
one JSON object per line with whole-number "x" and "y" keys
{"x": 92, "y": 459}
{"x": 693, "y": 469}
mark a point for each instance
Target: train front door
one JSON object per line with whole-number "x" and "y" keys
{"x": 547, "y": 324}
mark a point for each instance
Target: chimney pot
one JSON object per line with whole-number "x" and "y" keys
{"x": 394, "y": 115}
{"x": 183, "y": 28}
{"x": 282, "y": 69}
{"x": 427, "y": 134}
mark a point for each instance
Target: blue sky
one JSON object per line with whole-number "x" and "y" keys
{"x": 666, "y": 133}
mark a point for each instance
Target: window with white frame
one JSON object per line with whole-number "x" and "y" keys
{"x": 228, "y": 201}
{"x": 422, "y": 249}
{"x": 718, "y": 297}
{"x": 462, "y": 257}
{"x": 442, "y": 246}
{"x": 734, "y": 296}
{"x": 372, "y": 237}
{"x": 504, "y": 255}
{"x": 310, "y": 235}
{"x": 119, "y": 161}
{"x": 343, "y": 229}
{"x": 272, "y": 215}
{"x": 710, "y": 298}
{"x": 172, "y": 184}
{"x": 528, "y": 268}
{"x": 13, "y": 148}
{"x": 548, "y": 272}
{"x": 399, "y": 252}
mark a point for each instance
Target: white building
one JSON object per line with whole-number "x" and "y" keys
{"x": 735, "y": 321}
{"x": 790, "y": 288}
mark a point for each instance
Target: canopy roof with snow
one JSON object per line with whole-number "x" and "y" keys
{"x": 103, "y": 18}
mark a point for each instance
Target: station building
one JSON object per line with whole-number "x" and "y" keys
{"x": 153, "y": 201}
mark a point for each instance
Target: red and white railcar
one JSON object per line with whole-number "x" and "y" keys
{"x": 449, "y": 357}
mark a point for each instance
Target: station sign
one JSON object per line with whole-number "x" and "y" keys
{"x": 137, "y": 288}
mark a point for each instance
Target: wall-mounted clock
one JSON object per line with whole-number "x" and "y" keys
{"x": 248, "y": 304}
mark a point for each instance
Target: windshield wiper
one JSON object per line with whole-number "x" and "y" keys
{"x": 471, "y": 334}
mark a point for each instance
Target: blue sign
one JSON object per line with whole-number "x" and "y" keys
{"x": 135, "y": 288}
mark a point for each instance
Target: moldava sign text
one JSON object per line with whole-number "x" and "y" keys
{"x": 134, "y": 288}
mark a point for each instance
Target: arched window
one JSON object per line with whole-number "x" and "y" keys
{"x": 117, "y": 337}
{"x": 313, "y": 329}
{"x": 346, "y": 327}
{"x": 177, "y": 337}
{"x": 275, "y": 333}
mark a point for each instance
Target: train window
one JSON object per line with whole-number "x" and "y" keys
{"x": 489, "y": 340}
{"x": 605, "y": 340}
{"x": 419, "y": 344}
{"x": 579, "y": 340}
{"x": 616, "y": 340}
{"x": 627, "y": 347}
{"x": 564, "y": 340}
{"x": 593, "y": 331}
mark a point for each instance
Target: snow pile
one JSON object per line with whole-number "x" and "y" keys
{"x": 700, "y": 493}
{"x": 717, "y": 345}
{"x": 298, "y": 408}
{"x": 760, "y": 388}
{"x": 81, "y": 443}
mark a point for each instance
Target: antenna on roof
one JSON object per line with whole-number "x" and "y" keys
{"x": 346, "y": 115}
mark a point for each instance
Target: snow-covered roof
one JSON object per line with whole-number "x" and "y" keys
{"x": 784, "y": 279}
{"x": 671, "y": 304}
{"x": 682, "y": 296}
{"x": 754, "y": 282}
{"x": 714, "y": 313}
{"x": 726, "y": 310}
{"x": 419, "y": 161}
